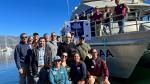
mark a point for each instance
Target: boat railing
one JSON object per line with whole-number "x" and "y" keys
{"x": 138, "y": 15}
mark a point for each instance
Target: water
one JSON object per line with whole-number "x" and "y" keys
{"x": 8, "y": 70}
{"x": 9, "y": 73}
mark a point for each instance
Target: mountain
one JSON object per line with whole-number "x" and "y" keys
{"x": 8, "y": 41}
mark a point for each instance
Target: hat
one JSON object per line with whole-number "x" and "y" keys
{"x": 57, "y": 58}
{"x": 34, "y": 34}
{"x": 82, "y": 37}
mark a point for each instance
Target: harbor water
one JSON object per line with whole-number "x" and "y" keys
{"x": 9, "y": 73}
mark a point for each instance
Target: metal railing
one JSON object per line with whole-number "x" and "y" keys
{"x": 137, "y": 18}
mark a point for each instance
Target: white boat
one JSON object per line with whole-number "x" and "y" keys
{"x": 6, "y": 48}
{"x": 123, "y": 51}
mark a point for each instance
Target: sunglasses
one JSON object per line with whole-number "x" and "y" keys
{"x": 57, "y": 60}
{"x": 94, "y": 52}
{"x": 53, "y": 35}
{"x": 64, "y": 56}
{"x": 24, "y": 37}
{"x": 68, "y": 37}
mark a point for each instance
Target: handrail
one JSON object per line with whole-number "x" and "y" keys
{"x": 112, "y": 16}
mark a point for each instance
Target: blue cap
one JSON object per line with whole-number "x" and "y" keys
{"x": 57, "y": 58}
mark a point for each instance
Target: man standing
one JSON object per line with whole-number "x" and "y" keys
{"x": 67, "y": 46}
{"x": 41, "y": 62}
{"x": 53, "y": 44}
{"x": 120, "y": 11}
{"x": 35, "y": 39}
{"x": 83, "y": 48}
{"x": 22, "y": 57}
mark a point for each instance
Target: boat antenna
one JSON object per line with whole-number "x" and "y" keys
{"x": 68, "y": 8}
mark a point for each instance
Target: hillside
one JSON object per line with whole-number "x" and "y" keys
{"x": 9, "y": 41}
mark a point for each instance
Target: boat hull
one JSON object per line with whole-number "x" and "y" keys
{"x": 122, "y": 59}
{"x": 121, "y": 52}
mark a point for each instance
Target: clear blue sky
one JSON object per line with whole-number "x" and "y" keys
{"x": 17, "y": 16}
{"x": 42, "y": 16}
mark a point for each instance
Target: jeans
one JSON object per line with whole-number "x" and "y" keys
{"x": 121, "y": 26}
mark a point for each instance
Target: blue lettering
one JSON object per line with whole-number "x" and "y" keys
{"x": 108, "y": 53}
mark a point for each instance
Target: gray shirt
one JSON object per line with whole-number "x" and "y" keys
{"x": 54, "y": 47}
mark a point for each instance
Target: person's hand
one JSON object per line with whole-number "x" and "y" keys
{"x": 106, "y": 81}
{"x": 21, "y": 71}
{"x": 81, "y": 82}
{"x": 91, "y": 80}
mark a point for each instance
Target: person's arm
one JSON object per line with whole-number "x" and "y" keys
{"x": 17, "y": 57}
{"x": 30, "y": 64}
{"x": 84, "y": 71}
{"x": 89, "y": 47}
{"x": 34, "y": 62}
{"x": 66, "y": 76}
{"x": 106, "y": 71}
{"x": 114, "y": 13}
{"x": 51, "y": 77}
{"x": 124, "y": 10}
{"x": 59, "y": 50}
{"x": 49, "y": 56}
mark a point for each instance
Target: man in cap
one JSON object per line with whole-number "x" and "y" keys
{"x": 83, "y": 47}
{"x": 35, "y": 39}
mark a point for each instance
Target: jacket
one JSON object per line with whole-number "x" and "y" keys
{"x": 99, "y": 69}
{"x": 78, "y": 72}
{"x": 58, "y": 76}
{"x": 35, "y": 56}
{"x": 22, "y": 54}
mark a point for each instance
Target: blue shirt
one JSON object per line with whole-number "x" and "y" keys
{"x": 58, "y": 76}
{"x": 41, "y": 56}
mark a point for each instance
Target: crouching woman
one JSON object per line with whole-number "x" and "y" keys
{"x": 58, "y": 74}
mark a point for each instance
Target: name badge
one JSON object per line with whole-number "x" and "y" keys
{"x": 99, "y": 65}
{"x": 92, "y": 67}
{"x": 78, "y": 68}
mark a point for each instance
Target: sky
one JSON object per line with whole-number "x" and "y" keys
{"x": 42, "y": 16}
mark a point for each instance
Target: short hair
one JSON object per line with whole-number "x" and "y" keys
{"x": 35, "y": 33}
{"x": 41, "y": 38}
{"x": 58, "y": 36}
{"x": 82, "y": 37}
{"x": 45, "y": 34}
{"x": 53, "y": 33}
{"x": 22, "y": 34}
{"x": 92, "y": 50}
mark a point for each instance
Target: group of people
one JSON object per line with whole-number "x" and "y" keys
{"x": 49, "y": 60}
{"x": 105, "y": 16}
